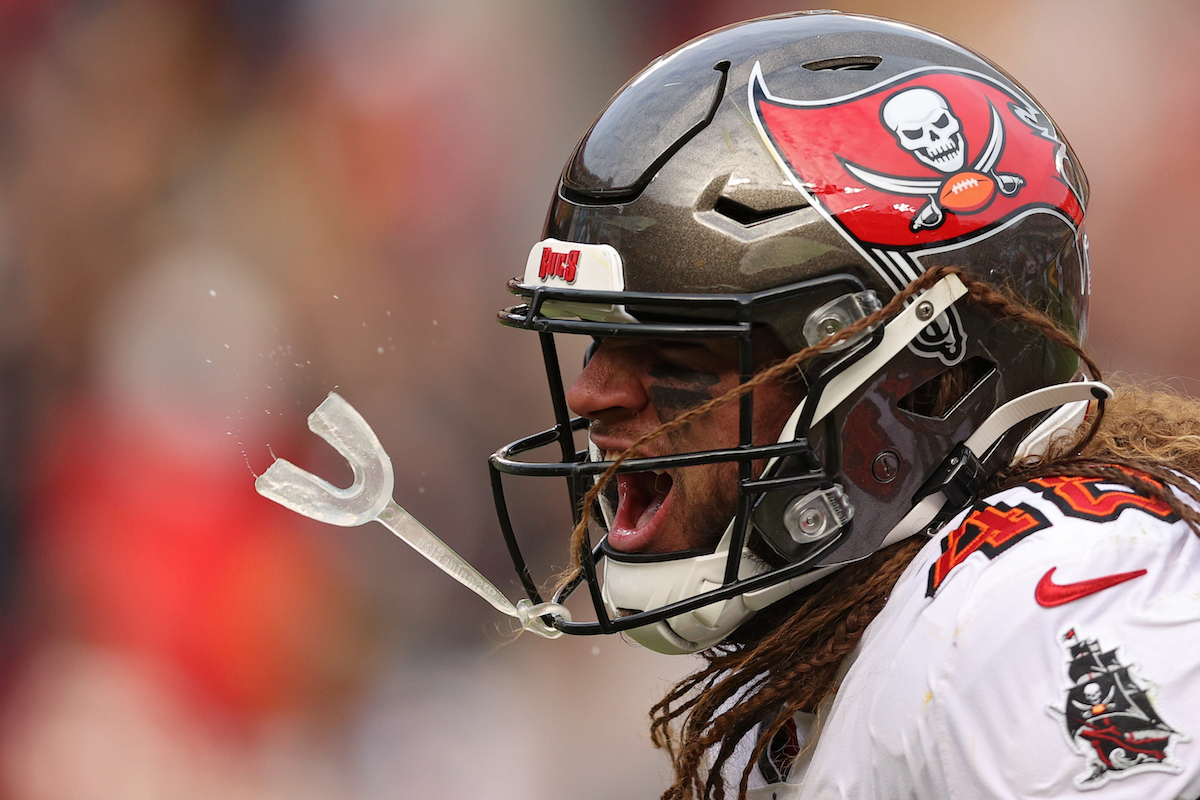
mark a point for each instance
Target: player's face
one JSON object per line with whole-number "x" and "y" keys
{"x": 629, "y": 387}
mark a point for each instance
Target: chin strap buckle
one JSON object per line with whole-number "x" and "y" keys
{"x": 960, "y": 478}
{"x": 964, "y": 479}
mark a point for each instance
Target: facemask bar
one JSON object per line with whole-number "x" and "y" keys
{"x": 580, "y": 473}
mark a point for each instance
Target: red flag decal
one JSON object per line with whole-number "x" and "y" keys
{"x": 926, "y": 158}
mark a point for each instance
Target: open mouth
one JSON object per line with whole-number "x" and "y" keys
{"x": 643, "y": 499}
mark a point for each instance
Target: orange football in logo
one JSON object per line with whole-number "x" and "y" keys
{"x": 965, "y": 192}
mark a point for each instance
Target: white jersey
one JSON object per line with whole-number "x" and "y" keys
{"x": 1045, "y": 644}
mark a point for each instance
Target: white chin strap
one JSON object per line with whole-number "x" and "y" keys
{"x": 630, "y": 585}
{"x": 1072, "y": 400}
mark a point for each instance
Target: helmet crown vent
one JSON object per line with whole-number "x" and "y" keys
{"x": 745, "y": 215}
{"x": 844, "y": 63}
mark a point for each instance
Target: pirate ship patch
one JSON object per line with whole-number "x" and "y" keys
{"x": 1108, "y": 717}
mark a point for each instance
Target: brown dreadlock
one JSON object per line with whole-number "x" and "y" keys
{"x": 787, "y": 660}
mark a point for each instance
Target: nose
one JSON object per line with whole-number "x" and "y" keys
{"x": 610, "y": 388}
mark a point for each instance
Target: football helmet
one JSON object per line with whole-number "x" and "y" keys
{"x": 794, "y": 173}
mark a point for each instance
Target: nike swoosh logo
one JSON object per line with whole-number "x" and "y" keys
{"x": 1050, "y": 594}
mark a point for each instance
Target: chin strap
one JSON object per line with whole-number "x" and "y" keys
{"x": 960, "y": 477}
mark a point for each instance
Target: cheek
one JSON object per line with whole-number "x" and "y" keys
{"x": 705, "y": 503}
{"x": 673, "y": 400}
{"x": 673, "y": 390}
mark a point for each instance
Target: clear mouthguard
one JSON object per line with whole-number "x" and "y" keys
{"x": 369, "y": 498}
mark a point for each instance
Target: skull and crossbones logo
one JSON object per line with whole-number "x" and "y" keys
{"x": 925, "y": 125}
{"x": 1097, "y": 702}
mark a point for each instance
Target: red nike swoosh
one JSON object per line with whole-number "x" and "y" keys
{"x": 1050, "y": 594}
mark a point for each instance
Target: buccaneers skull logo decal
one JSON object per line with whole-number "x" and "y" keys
{"x": 922, "y": 163}
{"x": 1108, "y": 718}
{"x": 925, "y": 125}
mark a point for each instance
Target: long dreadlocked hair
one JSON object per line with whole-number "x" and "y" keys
{"x": 787, "y": 659}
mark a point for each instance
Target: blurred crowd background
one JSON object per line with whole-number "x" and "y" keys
{"x": 212, "y": 212}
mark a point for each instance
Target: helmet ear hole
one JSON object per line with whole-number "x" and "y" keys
{"x": 937, "y": 397}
